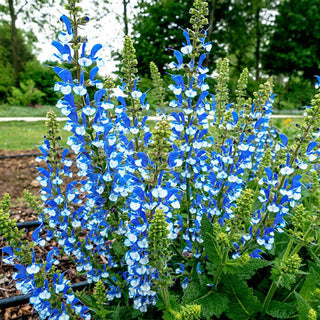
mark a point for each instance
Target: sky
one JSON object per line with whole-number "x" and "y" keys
{"x": 110, "y": 35}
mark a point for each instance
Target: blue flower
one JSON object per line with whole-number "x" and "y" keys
{"x": 66, "y": 37}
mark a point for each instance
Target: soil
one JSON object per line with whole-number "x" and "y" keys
{"x": 17, "y": 174}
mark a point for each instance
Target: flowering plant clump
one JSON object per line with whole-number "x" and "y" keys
{"x": 210, "y": 214}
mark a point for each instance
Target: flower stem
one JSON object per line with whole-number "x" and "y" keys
{"x": 274, "y": 285}
{"x": 268, "y": 298}
{"x": 166, "y": 299}
{"x": 219, "y": 271}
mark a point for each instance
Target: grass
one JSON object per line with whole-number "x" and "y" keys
{"x": 18, "y": 111}
{"x": 20, "y": 135}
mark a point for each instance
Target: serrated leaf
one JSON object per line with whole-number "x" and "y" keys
{"x": 281, "y": 310}
{"x": 213, "y": 304}
{"x": 193, "y": 292}
{"x": 167, "y": 315}
{"x": 211, "y": 248}
{"x": 211, "y": 268}
{"x": 303, "y": 307}
{"x": 248, "y": 269}
{"x": 243, "y": 303}
{"x": 311, "y": 282}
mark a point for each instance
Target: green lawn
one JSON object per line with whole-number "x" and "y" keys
{"x": 17, "y": 111}
{"x": 20, "y": 135}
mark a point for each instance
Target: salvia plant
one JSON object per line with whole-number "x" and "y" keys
{"x": 211, "y": 214}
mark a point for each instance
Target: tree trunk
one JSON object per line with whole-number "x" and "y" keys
{"x": 14, "y": 39}
{"x": 125, "y": 17}
{"x": 258, "y": 43}
{"x": 212, "y": 10}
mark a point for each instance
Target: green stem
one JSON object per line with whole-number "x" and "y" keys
{"x": 219, "y": 271}
{"x": 166, "y": 299}
{"x": 189, "y": 203}
{"x": 274, "y": 285}
{"x": 268, "y": 298}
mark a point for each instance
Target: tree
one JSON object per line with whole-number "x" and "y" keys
{"x": 155, "y": 27}
{"x": 15, "y": 9}
{"x": 156, "y": 30}
{"x": 238, "y": 30}
{"x": 24, "y": 53}
{"x": 294, "y": 45}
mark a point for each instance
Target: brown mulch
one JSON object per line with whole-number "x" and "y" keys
{"x": 16, "y": 175}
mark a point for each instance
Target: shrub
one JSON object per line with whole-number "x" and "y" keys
{"x": 44, "y": 79}
{"x": 26, "y": 95}
{"x": 211, "y": 214}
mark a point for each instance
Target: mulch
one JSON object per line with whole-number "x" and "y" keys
{"x": 16, "y": 175}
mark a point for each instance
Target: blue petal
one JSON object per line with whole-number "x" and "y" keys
{"x": 284, "y": 139}
{"x": 98, "y": 95}
{"x": 201, "y": 59}
{"x": 179, "y": 57}
{"x": 311, "y": 146}
{"x": 235, "y": 117}
{"x": 186, "y": 35}
{"x": 269, "y": 173}
{"x": 147, "y": 137}
{"x": 143, "y": 157}
{"x": 139, "y": 192}
{"x": 59, "y": 46}
{"x": 93, "y": 73}
{"x": 202, "y": 96}
{"x": 67, "y": 22}
{"x": 172, "y": 157}
{"x": 95, "y": 49}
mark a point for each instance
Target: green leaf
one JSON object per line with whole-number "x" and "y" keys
{"x": 281, "y": 310}
{"x": 193, "y": 292}
{"x": 213, "y": 304}
{"x": 243, "y": 303}
{"x": 303, "y": 307}
{"x": 248, "y": 269}
{"x": 210, "y": 245}
{"x": 311, "y": 282}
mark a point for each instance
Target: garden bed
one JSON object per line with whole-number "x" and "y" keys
{"x": 16, "y": 174}
{"x": 18, "y": 171}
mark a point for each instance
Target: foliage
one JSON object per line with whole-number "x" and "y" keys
{"x": 26, "y": 95}
{"x": 6, "y": 64}
{"x": 44, "y": 79}
{"x": 216, "y": 217}
{"x": 293, "y": 46}
{"x": 294, "y": 93}
{"x": 155, "y": 30}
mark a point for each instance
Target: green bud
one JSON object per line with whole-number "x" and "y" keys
{"x": 189, "y": 312}
{"x": 33, "y": 202}
{"x": 158, "y": 235}
{"x": 158, "y": 84}
{"x": 129, "y": 62}
{"x": 221, "y": 88}
{"x": 312, "y": 315}
{"x": 100, "y": 293}
{"x": 245, "y": 203}
{"x": 292, "y": 265}
{"x": 5, "y": 202}
{"x": 222, "y": 239}
{"x": 263, "y": 94}
{"x": 265, "y": 162}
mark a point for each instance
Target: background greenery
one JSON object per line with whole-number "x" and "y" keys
{"x": 269, "y": 37}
